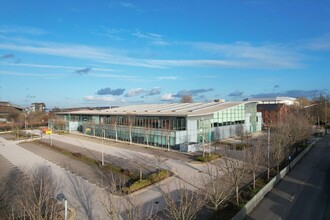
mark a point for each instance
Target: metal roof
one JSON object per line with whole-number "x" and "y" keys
{"x": 174, "y": 109}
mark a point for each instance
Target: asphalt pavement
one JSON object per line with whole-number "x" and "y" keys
{"x": 304, "y": 193}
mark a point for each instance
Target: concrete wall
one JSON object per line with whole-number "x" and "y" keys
{"x": 262, "y": 193}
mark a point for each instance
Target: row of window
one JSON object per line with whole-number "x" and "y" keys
{"x": 162, "y": 140}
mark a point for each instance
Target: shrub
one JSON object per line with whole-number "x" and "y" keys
{"x": 156, "y": 177}
{"x": 207, "y": 157}
{"x": 77, "y": 154}
{"x": 153, "y": 178}
{"x": 139, "y": 185}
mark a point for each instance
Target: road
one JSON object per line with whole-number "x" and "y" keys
{"x": 304, "y": 193}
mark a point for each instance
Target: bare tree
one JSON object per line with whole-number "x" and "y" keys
{"x": 301, "y": 126}
{"x": 234, "y": 173}
{"x": 186, "y": 99}
{"x": 183, "y": 203}
{"x": 30, "y": 197}
{"x": 216, "y": 189}
{"x": 280, "y": 140}
{"x": 253, "y": 156}
{"x": 17, "y": 120}
{"x": 121, "y": 206}
{"x": 160, "y": 160}
{"x": 240, "y": 132}
{"x": 37, "y": 118}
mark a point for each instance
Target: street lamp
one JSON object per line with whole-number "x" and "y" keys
{"x": 201, "y": 131}
{"x": 61, "y": 197}
{"x": 103, "y": 136}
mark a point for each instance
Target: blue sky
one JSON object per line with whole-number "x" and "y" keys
{"x": 70, "y": 53}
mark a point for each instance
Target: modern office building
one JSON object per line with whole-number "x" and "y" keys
{"x": 38, "y": 107}
{"x": 181, "y": 126}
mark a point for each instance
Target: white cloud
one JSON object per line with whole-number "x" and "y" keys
{"x": 6, "y": 29}
{"x": 155, "y": 39}
{"x": 154, "y": 91}
{"x": 53, "y": 66}
{"x": 248, "y": 55}
{"x": 236, "y": 55}
{"x": 319, "y": 43}
{"x": 99, "y": 99}
{"x": 11, "y": 73}
{"x": 78, "y": 52}
{"x": 167, "y": 97}
{"x": 135, "y": 92}
{"x": 129, "y": 6}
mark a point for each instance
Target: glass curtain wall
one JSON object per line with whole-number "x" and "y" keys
{"x": 229, "y": 116}
{"x": 155, "y": 131}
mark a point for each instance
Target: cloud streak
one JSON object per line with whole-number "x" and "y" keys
{"x": 235, "y": 55}
{"x": 11, "y": 73}
{"x": 264, "y": 55}
{"x": 167, "y": 78}
{"x": 6, "y": 29}
{"x": 155, "y": 39}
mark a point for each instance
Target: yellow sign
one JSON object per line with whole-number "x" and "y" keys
{"x": 49, "y": 132}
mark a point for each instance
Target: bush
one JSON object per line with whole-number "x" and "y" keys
{"x": 242, "y": 146}
{"x": 207, "y": 157}
{"x": 77, "y": 154}
{"x": 139, "y": 185}
{"x": 153, "y": 178}
{"x": 156, "y": 177}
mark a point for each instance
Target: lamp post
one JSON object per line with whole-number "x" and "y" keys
{"x": 103, "y": 136}
{"x": 61, "y": 197}
{"x": 268, "y": 146}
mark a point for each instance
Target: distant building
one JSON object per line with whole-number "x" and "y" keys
{"x": 38, "y": 107}
{"x": 176, "y": 125}
{"x": 274, "y": 100}
{"x": 273, "y": 109}
{"x": 6, "y": 108}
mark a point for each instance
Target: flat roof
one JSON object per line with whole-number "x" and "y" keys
{"x": 173, "y": 109}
